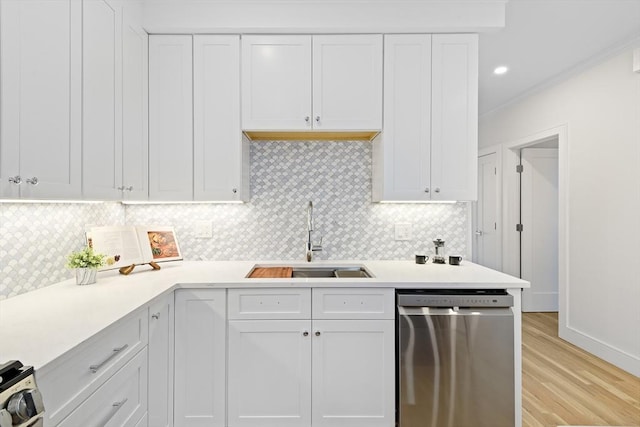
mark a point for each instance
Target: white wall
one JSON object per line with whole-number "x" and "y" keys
{"x": 600, "y": 109}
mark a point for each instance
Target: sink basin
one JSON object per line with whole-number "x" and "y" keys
{"x": 323, "y": 272}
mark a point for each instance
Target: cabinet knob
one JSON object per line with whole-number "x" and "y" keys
{"x": 306, "y": 119}
{"x": 17, "y": 180}
{"x": 317, "y": 333}
{"x": 437, "y": 190}
{"x": 305, "y": 334}
{"x": 155, "y": 316}
{"x": 426, "y": 190}
{"x": 234, "y": 190}
{"x": 317, "y": 119}
{"x": 32, "y": 181}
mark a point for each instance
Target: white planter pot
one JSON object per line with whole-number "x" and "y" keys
{"x": 86, "y": 276}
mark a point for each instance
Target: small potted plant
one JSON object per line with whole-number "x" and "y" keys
{"x": 86, "y": 264}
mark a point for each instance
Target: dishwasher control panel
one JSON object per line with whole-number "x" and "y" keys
{"x": 454, "y": 298}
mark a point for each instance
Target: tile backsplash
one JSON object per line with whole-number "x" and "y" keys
{"x": 336, "y": 176}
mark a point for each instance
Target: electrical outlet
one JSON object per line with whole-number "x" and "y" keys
{"x": 203, "y": 229}
{"x": 403, "y": 231}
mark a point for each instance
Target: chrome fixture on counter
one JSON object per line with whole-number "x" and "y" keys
{"x": 438, "y": 258}
{"x": 311, "y": 247}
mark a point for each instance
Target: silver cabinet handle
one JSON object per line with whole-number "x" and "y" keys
{"x": 96, "y": 368}
{"x": 121, "y": 188}
{"x": 479, "y": 233}
{"x": 305, "y": 334}
{"x": 155, "y": 315}
{"x": 32, "y": 181}
{"x": 437, "y": 190}
{"x": 129, "y": 188}
{"x": 17, "y": 180}
{"x": 426, "y": 190}
{"x": 115, "y": 408}
{"x": 121, "y": 403}
{"x": 317, "y": 333}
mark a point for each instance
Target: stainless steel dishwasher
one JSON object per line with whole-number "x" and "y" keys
{"x": 455, "y": 358}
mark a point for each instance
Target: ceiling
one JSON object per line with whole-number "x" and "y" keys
{"x": 546, "y": 40}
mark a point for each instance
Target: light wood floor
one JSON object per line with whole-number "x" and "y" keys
{"x": 564, "y": 385}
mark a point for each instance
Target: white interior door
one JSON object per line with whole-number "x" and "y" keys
{"x": 539, "y": 238}
{"x": 487, "y": 241}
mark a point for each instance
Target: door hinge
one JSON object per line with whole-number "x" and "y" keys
{"x": 519, "y": 228}
{"x": 519, "y": 168}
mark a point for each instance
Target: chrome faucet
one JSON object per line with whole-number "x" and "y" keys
{"x": 311, "y": 248}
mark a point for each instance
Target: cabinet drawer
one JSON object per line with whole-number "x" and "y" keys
{"x": 78, "y": 373}
{"x": 353, "y": 303}
{"x": 274, "y": 303}
{"x": 121, "y": 401}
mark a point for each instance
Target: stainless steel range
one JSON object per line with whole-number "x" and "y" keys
{"x": 20, "y": 401}
{"x": 455, "y": 358}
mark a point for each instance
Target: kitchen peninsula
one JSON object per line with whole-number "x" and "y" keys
{"x": 57, "y": 328}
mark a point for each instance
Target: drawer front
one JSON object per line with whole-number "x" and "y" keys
{"x": 121, "y": 401}
{"x": 353, "y": 303}
{"x": 81, "y": 371}
{"x": 273, "y": 303}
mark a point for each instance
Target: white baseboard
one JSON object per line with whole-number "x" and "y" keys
{"x": 625, "y": 361}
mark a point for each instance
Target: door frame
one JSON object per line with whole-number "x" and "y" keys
{"x": 511, "y": 210}
{"x": 497, "y": 150}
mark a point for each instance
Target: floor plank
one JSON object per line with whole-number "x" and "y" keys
{"x": 564, "y": 385}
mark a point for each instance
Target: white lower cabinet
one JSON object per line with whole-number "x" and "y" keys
{"x": 353, "y": 373}
{"x": 312, "y": 371}
{"x": 269, "y": 367}
{"x": 121, "y": 401}
{"x": 161, "y": 362}
{"x": 200, "y": 355}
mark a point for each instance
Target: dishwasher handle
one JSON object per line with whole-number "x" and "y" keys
{"x": 454, "y": 311}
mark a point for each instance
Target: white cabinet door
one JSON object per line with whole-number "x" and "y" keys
{"x": 170, "y": 118}
{"x": 135, "y": 82}
{"x": 269, "y": 373}
{"x": 276, "y": 82}
{"x": 347, "y": 82}
{"x": 402, "y": 169}
{"x": 200, "y": 355}
{"x": 454, "y": 141}
{"x": 40, "y": 98}
{"x": 161, "y": 344}
{"x": 218, "y": 147}
{"x": 353, "y": 373}
{"x": 101, "y": 103}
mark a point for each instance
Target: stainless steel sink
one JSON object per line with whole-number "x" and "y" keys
{"x": 324, "y": 272}
{"x": 335, "y": 272}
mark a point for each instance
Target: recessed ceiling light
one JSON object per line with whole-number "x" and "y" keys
{"x": 500, "y": 70}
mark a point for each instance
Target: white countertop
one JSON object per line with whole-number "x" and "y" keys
{"x": 40, "y": 326}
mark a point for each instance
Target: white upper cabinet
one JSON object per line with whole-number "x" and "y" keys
{"x": 170, "y": 118}
{"x": 219, "y": 151}
{"x": 135, "y": 83}
{"x": 101, "y": 103}
{"x": 276, "y": 82}
{"x": 429, "y": 145}
{"x": 403, "y": 152}
{"x": 279, "y": 92}
{"x": 454, "y": 123}
{"x": 347, "y": 82}
{"x": 40, "y": 139}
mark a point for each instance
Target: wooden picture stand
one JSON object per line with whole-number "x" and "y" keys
{"x": 129, "y": 268}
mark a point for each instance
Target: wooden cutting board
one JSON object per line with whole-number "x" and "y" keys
{"x": 271, "y": 272}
